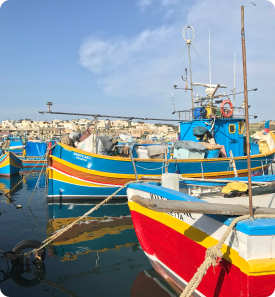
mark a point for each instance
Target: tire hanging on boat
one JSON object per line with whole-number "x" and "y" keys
{"x": 30, "y": 244}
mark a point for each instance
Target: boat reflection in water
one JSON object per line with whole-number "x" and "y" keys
{"x": 7, "y": 183}
{"x": 109, "y": 228}
{"x": 150, "y": 283}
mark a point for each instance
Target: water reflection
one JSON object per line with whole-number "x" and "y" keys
{"x": 150, "y": 283}
{"x": 110, "y": 228}
{"x": 7, "y": 183}
{"x": 100, "y": 254}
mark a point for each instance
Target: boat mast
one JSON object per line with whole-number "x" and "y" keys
{"x": 234, "y": 79}
{"x": 246, "y": 117}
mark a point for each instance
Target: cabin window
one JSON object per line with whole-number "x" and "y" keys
{"x": 232, "y": 128}
{"x": 241, "y": 128}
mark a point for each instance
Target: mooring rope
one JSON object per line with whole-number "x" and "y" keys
{"x": 60, "y": 232}
{"x": 37, "y": 182}
{"x": 214, "y": 254}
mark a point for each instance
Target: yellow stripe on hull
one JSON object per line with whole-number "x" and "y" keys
{"x": 132, "y": 176}
{"x": 249, "y": 267}
{"x": 57, "y": 175}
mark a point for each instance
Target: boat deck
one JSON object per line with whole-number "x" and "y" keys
{"x": 267, "y": 200}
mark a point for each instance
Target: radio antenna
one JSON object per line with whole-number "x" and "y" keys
{"x": 189, "y": 42}
{"x": 173, "y": 103}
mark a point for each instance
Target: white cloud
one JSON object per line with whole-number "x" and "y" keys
{"x": 144, "y": 68}
{"x": 143, "y": 4}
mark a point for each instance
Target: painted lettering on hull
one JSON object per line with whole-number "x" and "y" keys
{"x": 179, "y": 216}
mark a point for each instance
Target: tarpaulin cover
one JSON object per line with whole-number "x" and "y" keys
{"x": 157, "y": 150}
{"x": 190, "y": 146}
{"x": 108, "y": 142}
{"x": 36, "y": 149}
{"x": 75, "y": 136}
{"x": 199, "y": 131}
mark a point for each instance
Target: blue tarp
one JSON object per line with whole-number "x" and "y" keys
{"x": 36, "y": 149}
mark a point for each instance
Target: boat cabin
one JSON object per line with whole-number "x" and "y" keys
{"x": 227, "y": 132}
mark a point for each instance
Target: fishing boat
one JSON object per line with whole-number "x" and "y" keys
{"x": 211, "y": 145}
{"x": 175, "y": 243}
{"x": 212, "y": 246}
{"x": 34, "y": 156}
{"x": 75, "y": 173}
{"x": 32, "y": 153}
{"x": 10, "y": 164}
{"x": 14, "y": 145}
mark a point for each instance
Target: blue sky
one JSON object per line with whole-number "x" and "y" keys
{"x": 122, "y": 57}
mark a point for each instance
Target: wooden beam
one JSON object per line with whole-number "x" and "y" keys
{"x": 178, "y": 206}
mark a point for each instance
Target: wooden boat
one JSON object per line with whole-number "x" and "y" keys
{"x": 10, "y": 164}
{"x": 34, "y": 156}
{"x": 75, "y": 173}
{"x": 14, "y": 145}
{"x": 175, "y": 243}
{"x": 31, "y": 162}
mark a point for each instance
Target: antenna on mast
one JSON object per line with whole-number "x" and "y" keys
{"x": 189, "y": 42}
{"x": 173, "y": 103}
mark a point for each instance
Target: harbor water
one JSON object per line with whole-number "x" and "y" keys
{"x": 99, "y": 256}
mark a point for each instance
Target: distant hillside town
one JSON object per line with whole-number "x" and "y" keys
{"x": 55, "y": 128}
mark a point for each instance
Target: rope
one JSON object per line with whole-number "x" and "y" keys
{"x": 214, "y": 254}
{"x": 150, "y": 169}
{"x": 60, "y": 232}
{"x": 37, "y": 181}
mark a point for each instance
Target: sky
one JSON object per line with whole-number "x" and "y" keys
{"x": 123, "y": 57}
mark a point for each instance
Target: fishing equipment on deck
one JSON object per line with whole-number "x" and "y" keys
{"x": 157, "y": 151}
{"x": 189, "y": 150}
{"x": 67, "y": 140}
{"x": 235, "y": 186}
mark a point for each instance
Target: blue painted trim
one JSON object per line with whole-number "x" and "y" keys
{"x": 249, "y": 227}
{"x": 64, "y": 189}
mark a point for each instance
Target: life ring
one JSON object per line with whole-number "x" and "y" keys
{"x": 223, "y": 110}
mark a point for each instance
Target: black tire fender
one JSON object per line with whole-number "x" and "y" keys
{"x": 30, "y": 244}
